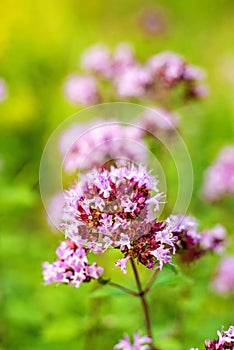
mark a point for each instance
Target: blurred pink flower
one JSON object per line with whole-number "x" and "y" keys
{"x": 167, "y": 66}
{"x": 97, "y": 59}
{"x": 219, "y": 177}
{"x": 93, "y": 144}
{"x": 214, "y": 239}
{"x": 155, "y": 119}
{"x": 133, "y": 82}
{"x": 123, "y": 59}
{"x": 192, "y": 243}
{"x": 193, "y": 72}
{"x": 81, "y": 89}
{"x": 139, "y": 343}
{"x": 3, "y": 90}
{"x": 54, "y": 210}
{"x": 223, "y": 281}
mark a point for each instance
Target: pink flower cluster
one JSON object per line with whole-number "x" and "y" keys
{"x": 71, "y": 267}
{"x": 177, "y": 234}
{"x": 223, "y": 281}
{"x": 219, "y": 177}
{"x": 225, "y": 340}
{"x": 85, "y": 146}
{"x": 108, "y": 207}
{"x": 81, "y": 89}
{"x": 158, "y": 119}
{"x": 170, "y": 69}
{"x": 139, "y": 343}
{"x": 191, "y": 243}
{"x": 128, "y": 78}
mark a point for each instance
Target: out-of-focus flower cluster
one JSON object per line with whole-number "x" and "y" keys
{"x": 191, "y": 243}
{"x": 89, "y": 145}
{"x": 219, "y": 177}
{"x": 223, "y": 281}
{"x": 3, "y": 90}
{"x": 225, "y": 340}
{"x": 158, "y": 119}
{"x": 139, "y": 343}
{"x": 129, "y": 79}
{"x": 71, "y": 267}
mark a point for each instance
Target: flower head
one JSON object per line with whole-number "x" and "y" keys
{"x": 71, "y": 267}
{"x": 225, "y": 340}
{"x": 156, "y": 119}
{"x": 81, "y": 89}
{"x": 168, "y": 67}
{"x": 192, "y": 243}
{"x": 223, "y": 281}
{"x": 139, "y": 343}
{"x": 111, "y": 204}
{"x": 219, "y": 177}
{"x": 85, "y": 146}
{"x": 133, "y": 82}
{"x": 97, "y": 59}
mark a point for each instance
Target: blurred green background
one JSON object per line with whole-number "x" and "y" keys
{"x": 40, "y": 43}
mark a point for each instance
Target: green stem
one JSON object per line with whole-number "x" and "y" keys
{"x": 124, "y": 289}
{"x": 151, "y": 281}
{"x": 143, "y": 299}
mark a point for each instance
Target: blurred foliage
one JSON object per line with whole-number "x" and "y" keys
{"x": 40, "y": 43}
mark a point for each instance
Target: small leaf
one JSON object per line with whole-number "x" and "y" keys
{"x": 103, "y": 280}
{"x": 106, "y": 291}
{"x": 171, "y": 267}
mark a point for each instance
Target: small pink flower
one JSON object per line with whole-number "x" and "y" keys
{"x": 81, "y": 89}
{"x": 97, "y": 59}
{"x": 139, "y": 343}
{"x": 158, "y": 119}
{"x": 54, "y": 210}
{"x": 122, "y": 264}
{"x": 71, "y": 267}
{"x": 219, "y": 177}
{"x": 223, "y": 281}
{"x": 168, "y": 67}
{"x": 133, "y": 82}
{"x": 85, "y": 146}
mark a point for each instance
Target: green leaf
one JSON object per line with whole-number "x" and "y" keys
{"x": 107, "y": 291}
{"x": 103, "y": 280}
{"x": 170, "y": 275}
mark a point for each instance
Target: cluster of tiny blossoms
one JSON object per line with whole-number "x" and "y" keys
{"x": 128, "y": 78}
{"x": 108, "y": 207}
{"x": 177, "y": 234}
{"x": 191, "y": 243}
{"x": 223, "y": 281}
{"x": 113, "y": 208}
{"x": 139, "y": 343}
{"x": 88, "y": 145}
{"x": 225, "y": 341}
{"x": 219, "y": 177}
{"x": 71, "y": 267}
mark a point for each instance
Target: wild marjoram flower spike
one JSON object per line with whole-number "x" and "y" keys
{"x": 114, "y": 208}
